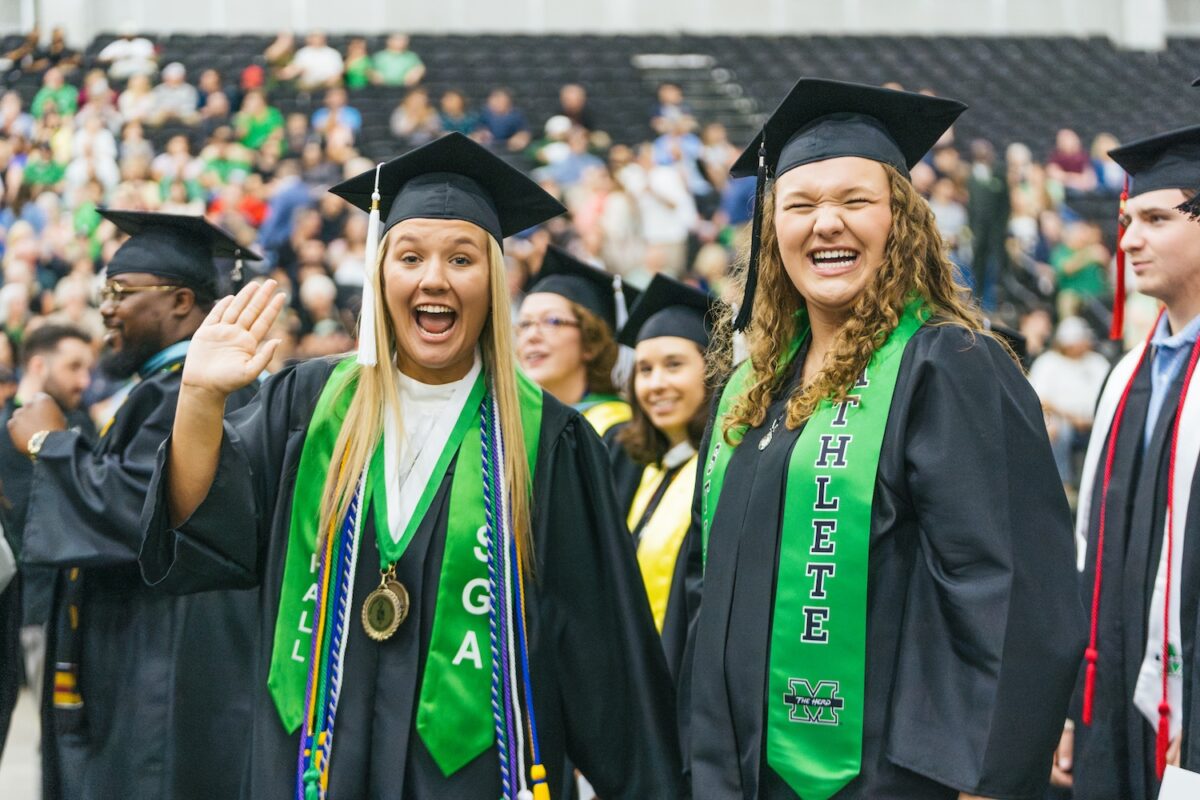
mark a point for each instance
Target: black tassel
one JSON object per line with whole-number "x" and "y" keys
{"x": 1191, "y": 207}
{"x": 760, "y": 187}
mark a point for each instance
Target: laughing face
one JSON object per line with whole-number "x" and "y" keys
{"x": 832, "y": 220}
{"x": 436, "y": 284}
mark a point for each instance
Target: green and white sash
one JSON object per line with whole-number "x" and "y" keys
{"x": 817, "y": 662}
{"x": 454, "y": 716}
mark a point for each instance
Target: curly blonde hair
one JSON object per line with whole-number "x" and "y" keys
{"x": 914, "y": 264}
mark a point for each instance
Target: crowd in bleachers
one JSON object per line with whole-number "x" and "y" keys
{"x": 127, "y": 126}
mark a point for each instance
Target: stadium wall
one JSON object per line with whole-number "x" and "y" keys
{"x": 1139, "y": 24}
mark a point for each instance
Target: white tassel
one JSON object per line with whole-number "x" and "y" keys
{"x": 619, "y": 298}
{"x": 368, "y": 348}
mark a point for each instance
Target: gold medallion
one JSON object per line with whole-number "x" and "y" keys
{"x": 386, "y": 608}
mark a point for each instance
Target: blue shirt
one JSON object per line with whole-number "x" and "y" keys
{"x": 1170, "y": 357}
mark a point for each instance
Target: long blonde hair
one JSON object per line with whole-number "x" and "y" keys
{"x": 376, "y": 393}
{"x": 914, "y": 263}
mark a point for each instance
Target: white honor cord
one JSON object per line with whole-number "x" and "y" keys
{"x": 513, "y": 655}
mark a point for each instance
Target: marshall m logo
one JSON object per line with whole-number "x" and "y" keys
{"x": 818, "y": 704}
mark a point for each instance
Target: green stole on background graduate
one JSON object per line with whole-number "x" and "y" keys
{"x": 454, "y": 715}
{"x": 817, "y": 662}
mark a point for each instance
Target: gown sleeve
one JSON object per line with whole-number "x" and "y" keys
{"x": 219, "y": 545}
{"x": 616, "y": 695}
{"x": 84, "y": 502}
{"x": 992, "y": 631}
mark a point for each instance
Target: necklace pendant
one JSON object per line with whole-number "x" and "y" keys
{"x": 386, "y": 608}
{"x": 766, "y": 440}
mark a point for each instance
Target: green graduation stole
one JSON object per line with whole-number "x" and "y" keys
{"x": 817, "y": 662}
{"x": 454, "y": 716}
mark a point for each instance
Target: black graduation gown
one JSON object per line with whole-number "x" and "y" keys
{"x": 601, "y": 691}
{"x": 164, "y": 679}
{"x": 627, "y": 476}
{"x": 974, "y": 627}
{"x": 1114, "y": 756}
{"x": 16, "y": 472}
{"x": 26, "y": 601}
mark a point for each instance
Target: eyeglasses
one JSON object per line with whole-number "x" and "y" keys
{"x": 115, "y": 292}
{"x": 552, "y": 323}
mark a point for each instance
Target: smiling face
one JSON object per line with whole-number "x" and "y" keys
{"x": 832, "y": 220}
{"x": 436, "y": 286}
{"x": 550, "y": 345}
{"x": 669, "y": 383}
{"x": 1163, "y": 249}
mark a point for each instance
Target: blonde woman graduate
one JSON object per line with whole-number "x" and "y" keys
{"x": 451, "y": 607}
{"x": 889, "y": 606}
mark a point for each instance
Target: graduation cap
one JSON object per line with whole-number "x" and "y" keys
{"x": 1165, "y": 161}
{"x": 823, "y": 119}
{"x": 174, "y": 246}
{"x": 670, "y": 308}
{"x": 1196, "y": 82}
{"x": 602, "y": 293}
{"x": 452, "y": 177}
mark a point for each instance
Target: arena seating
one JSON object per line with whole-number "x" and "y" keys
{"x": 1020, "y": 89}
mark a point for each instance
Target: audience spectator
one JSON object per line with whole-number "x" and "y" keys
{"x": 667, "y": 211}
{"x": 13, "y": 120}
{"x": 1068, "y": 380}
{"x": 573, "y": 104}
{"x": 987, "y": 214}
{"x": 1069, "y": 165}
{"x": 336, "y": 114}
{"x": 56, "y": 54}
{"x": 570, "y": 169}
{"x": 396, "y": 65}
{"x": 55, "y": 90}
{"x": 454, "y": 114}
{"x": 415, "y": 121}
{"x": 1080, "y": 263}
{"x": 670, "y": 104}
{"x": 1110, "y": 177}
{"x": 129, "y": 55}
{"x": 134, "y": 143}
{"x": 358, "y": 64}
{"x": 279, "y": 53}
{"x": 137, "y": 102}
{"x": 951, "y": 217}
{"x": 717, "y": 154}
{"x": 315, "y": 66}
{"x": 257, "y": 121}
{"x": 174, "y": 99}
{"x": 503, "y": 125}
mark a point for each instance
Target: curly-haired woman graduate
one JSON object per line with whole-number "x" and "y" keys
{"x": 451, "y": 606}
{"x": 889, "y": 607}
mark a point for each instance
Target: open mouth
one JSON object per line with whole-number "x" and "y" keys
{"x": 532, "y": 358}
{"x": 435, "y": 321}
{"x": 833, "y": 261}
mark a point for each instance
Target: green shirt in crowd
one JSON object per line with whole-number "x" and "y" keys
{"x": 1087, "y": 281}
{"x": 393, "y": 67}
{"x": 66, "y": 100}
{"x": 255, "y": 130}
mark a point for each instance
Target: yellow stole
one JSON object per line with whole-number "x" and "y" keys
{"x": 663, "y": 533}
{"x": 603, "y": 416}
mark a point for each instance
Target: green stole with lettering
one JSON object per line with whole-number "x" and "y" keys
{"x": 454, "y": 716}
{"x": 817, "y": 661}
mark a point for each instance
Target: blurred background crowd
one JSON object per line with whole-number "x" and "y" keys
{"x": 253, "y": 140}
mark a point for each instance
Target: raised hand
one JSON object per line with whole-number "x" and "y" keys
{"x": 228, "y": 351}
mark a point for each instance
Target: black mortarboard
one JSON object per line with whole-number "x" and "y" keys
{"x": 670, "y": 308}
{"x": 174, "y": 246}
{"x": 1166, "y": 161}
{"x": 1196, "y": 82}
{"x": 823, "y": 119}
{"x": 453, "y": 178}
{"x": 602, "y": 293}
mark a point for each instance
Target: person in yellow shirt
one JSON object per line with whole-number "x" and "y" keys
{"x": 654, "y": 453}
